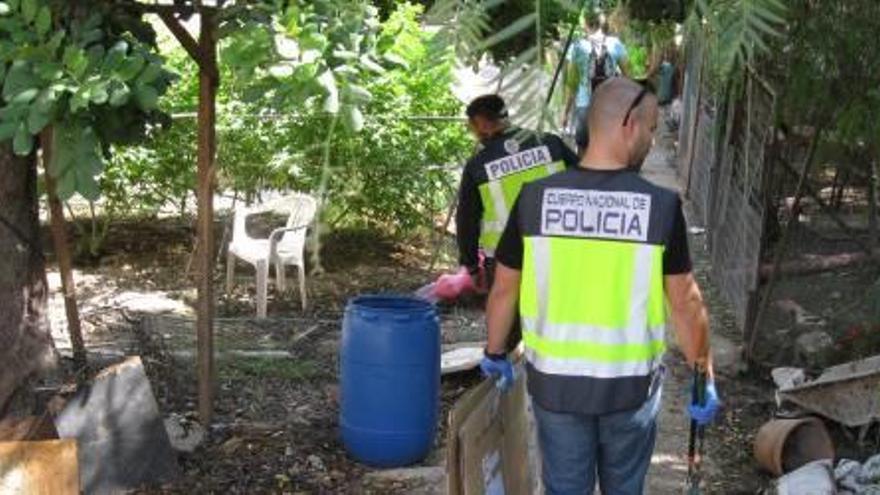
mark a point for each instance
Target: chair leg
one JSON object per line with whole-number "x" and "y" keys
{"x": 230, "y": 271}
{"x": 301, "y": 270}
{"x": 280, "y": 282}
{"x": 262, "y": 286}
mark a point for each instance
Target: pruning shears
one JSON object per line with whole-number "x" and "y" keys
{"x": 697, "y": 435}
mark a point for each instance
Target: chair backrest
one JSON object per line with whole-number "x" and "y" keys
{"x": 302, "y": 208}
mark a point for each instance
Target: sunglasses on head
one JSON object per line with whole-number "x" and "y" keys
{"x": 647, "y": 88}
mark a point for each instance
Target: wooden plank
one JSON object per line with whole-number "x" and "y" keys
{"x": 39, "y": 468}
{"x": 459, "y": 413}
{"x": 62, "y": 251}
{"x": 208, "y": 82}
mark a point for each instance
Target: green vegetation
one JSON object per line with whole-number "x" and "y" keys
{"x": 387, "y": 165}
{"x": 96, "y": 78}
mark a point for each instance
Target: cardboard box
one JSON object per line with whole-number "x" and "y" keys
{"x": 487, "y": 444}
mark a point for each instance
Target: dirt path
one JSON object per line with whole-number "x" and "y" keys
{"x": 669, "y": 465}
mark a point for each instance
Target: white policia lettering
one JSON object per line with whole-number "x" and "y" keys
{"x": 598, "y": 214}
{"x": 517, "y": 162}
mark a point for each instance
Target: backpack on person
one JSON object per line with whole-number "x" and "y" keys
{"x": 601, "y": 64}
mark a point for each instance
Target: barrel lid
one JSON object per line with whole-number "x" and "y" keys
{"x": 390, "y": 303}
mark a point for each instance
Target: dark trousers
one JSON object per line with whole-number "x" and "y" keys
{"x": 581, "y": 129}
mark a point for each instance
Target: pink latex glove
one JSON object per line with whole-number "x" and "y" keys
{"x": 450, "y": 286}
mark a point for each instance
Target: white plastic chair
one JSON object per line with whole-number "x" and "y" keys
{"x": 285, "y": 246}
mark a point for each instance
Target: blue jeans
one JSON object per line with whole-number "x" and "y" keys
{"x": 617, "y": 447}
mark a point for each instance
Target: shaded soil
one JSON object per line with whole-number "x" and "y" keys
{"x": 275, "y": 428}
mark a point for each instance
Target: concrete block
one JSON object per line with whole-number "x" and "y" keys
{"x": 121, "y": 438}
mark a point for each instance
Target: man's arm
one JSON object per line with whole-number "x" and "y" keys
{"x": 501, "y": 309}
{"x": 690, "y": 318}
{"x": 622, "y": 59}
{"x": 686, "y": 305}
{"x": 467, "y": 222}
{"x": 570, "y": 78}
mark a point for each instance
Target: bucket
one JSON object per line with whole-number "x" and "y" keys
{"x": 783, "y": 445}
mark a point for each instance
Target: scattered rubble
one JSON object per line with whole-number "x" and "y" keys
{"x": 811, "y": 349}
{"x": 853, "y": 478}
{"x": 460, "y": 359}
{"x": 185, "y": 435}
{"x": 815, "y": 478}
{"x": 786, "y": 378}
{"x": 315, "y": 463}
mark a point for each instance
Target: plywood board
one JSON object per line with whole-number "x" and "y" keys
{"x": 39, "y": 468}
{"x": 490, "y": 455}
{"x": 459, "y": 413}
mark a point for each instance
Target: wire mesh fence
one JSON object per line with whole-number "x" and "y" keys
{"x": 722, "y": 155}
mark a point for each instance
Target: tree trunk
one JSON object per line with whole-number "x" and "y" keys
{"x": 62, "y": 252}
{"x": 874, "y": 239}
{"x": 26, "y": 345}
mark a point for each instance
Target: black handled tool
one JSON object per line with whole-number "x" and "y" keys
{"x": 695, "y": 442}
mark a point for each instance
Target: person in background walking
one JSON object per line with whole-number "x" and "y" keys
{"x": 493, "y": 177}
{"x": 591, "y": 256}
{"x": 662, "y": 72}
{"x": 590, "y": 61}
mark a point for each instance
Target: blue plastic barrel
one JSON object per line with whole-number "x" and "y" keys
{"x": 390, "y": 373}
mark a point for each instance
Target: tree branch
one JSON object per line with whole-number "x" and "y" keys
{"x": 187, "y": 41}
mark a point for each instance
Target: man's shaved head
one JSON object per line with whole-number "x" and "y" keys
{"x": 622, "y": 120}
{"x": 610, "y": 102}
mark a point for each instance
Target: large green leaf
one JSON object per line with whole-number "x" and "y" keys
{"x": 80, "y": 99}
{"x": 147, "y": 97}
{"x": 87, "y": 186}
{"x": 75, "y": 60}
{"x": 7, "y": 130}
{"x": 41, "y": 111}
{"x": 29, "y": 10}
{"x": 25, "y": 96}
{"x": 150, "y": 74}
{"x": 98, "y": 93}
{"x": 20, "y": 78}
{"x": 354, "y": 119}
{"x": 131, "y": 67}
{"x": 358, "y": 93}
{"x": 119, "y": 95}
{"x": 49, "y": 71}
{"x": 44, "y": 22}
{"x": 22, "y": 143}
{"x": 77, "y": 160}
{"x": 115, "y": 57}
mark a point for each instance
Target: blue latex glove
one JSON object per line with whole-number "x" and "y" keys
{"x": 705, "y": 414}
{"x": 499, "y": 368}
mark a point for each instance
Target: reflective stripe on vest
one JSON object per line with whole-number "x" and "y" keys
{"x": 498, "y": 196}
{"x": 592, "y": 308}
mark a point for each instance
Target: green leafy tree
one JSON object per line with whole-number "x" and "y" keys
{"x": 95, "y": 84}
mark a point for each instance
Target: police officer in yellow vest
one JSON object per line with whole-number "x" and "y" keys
{"x": 592, "y": 256}
{"x": 493, "y": 177}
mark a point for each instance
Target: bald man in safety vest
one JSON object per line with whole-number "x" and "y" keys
{"x": 590, "y": 258}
